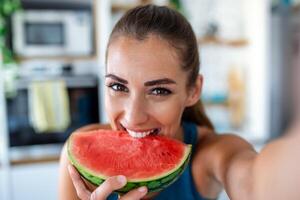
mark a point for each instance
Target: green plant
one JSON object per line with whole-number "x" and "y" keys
{"x": 7, "y": 8}
{"x": 179, "y": 6}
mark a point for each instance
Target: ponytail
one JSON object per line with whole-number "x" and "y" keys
{"x": 196, "y": 114}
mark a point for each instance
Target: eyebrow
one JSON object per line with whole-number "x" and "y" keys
{"x": 160, "y": 82}
{"x": 116, "y": 78}
{"x": 148, "y": 83}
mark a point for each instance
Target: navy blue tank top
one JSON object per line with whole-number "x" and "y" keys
{"x": 183, "y": 188}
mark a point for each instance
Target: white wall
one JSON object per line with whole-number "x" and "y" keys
{"x": 257, "y": 21}
{"x": 253, "y": 21}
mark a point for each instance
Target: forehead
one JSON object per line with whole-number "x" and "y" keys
{"x": 150, "y": 57}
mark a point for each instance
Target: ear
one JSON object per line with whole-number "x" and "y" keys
{"x": 195, "y": 92}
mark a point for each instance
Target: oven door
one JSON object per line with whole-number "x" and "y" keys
{"x": 84, "y": 110}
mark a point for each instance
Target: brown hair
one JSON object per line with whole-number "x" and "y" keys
{"x": 142, "y": 21}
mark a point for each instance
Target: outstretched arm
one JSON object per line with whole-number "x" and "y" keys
{"x": 272, "y": 174}
{"x": 276, "y": 169}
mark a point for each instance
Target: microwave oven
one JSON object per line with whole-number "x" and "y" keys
{"x": 52, "y": 33}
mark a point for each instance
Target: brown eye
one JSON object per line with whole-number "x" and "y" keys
{"x": 160, "y": 91}
{"x": 118, "y": 87}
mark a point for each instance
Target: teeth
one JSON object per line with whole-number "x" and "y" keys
{"x": 139, "y": 134}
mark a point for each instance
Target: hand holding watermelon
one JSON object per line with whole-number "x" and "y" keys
{"x": 150, "y": 164}
{"x": 105, "y": 189}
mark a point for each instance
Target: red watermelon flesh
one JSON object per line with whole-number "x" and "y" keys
{"x": 103, "y": 154}
{"x": 154, "y": 161}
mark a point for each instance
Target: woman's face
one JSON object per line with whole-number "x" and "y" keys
{"x": 146, "y": 88}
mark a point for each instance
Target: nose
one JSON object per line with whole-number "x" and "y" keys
{"x": 135, "y": 111}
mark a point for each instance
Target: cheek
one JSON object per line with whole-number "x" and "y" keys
{"x": 113, "y": 107}
{"x": 169, "y": 112}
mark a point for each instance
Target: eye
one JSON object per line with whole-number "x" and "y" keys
{"x": 161, "y": 91}
{"x": 118, "y": 87}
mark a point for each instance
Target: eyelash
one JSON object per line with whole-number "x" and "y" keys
{"x": 159, "y": 91}
{"x": 118, "y": 87}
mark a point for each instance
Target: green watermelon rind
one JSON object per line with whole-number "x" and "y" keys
{"x": 154, "y": 184}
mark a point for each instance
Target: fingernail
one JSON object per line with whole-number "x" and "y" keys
{"x": 142, "y": 189}
{"x": 122, "y": 179}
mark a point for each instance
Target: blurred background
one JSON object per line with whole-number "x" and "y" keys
{"x": 52, "y": 66}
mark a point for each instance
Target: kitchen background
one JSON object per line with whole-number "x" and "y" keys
{"x": 52, "y": 64}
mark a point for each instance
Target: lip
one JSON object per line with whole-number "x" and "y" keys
{"x": 121, "y": 127}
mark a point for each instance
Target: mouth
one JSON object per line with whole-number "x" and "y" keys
{"x": 141, "y": 133}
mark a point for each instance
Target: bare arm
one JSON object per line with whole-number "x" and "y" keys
{"x": 272, "y": 174}
{"x": 223, "y": 161}
{"x": 234, "y": 169}
{"x": 276, "y": 169}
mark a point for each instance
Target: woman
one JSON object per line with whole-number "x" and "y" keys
{"x": 153, "y": 85}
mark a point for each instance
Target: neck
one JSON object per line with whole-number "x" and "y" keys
{"x": 180, "y": 135}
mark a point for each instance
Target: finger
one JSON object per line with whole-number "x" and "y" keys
{"x": 81, "y": 190}
{"x": 108, "y": 186}
{"x": 135, "y": 194}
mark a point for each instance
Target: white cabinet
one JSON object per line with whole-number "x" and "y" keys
{"x": 35, "y": 181}
{"x": 4, "y": 164}
{"x": 1, "y": 184}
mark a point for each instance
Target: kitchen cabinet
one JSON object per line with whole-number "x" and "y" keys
{"x": 4, "y": 162}
{"x": 39, "y": 180}
{"x": 34, "y": 181}
{"x": 1, "y": 184}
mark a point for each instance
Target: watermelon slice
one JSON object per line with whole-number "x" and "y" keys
{"x": 153, "y": 161}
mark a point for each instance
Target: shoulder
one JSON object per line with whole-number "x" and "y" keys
{"x": 208, "y": 138}
{"x": 205, "y": 132}
{"x": 215, "y": 157}
{"x": 204, "y": 149}
{"x": 204, "y": 180}
{"x": 222, "y": 159}
{"x": 205, "y": 137}
{"x": 219, "y": 149}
